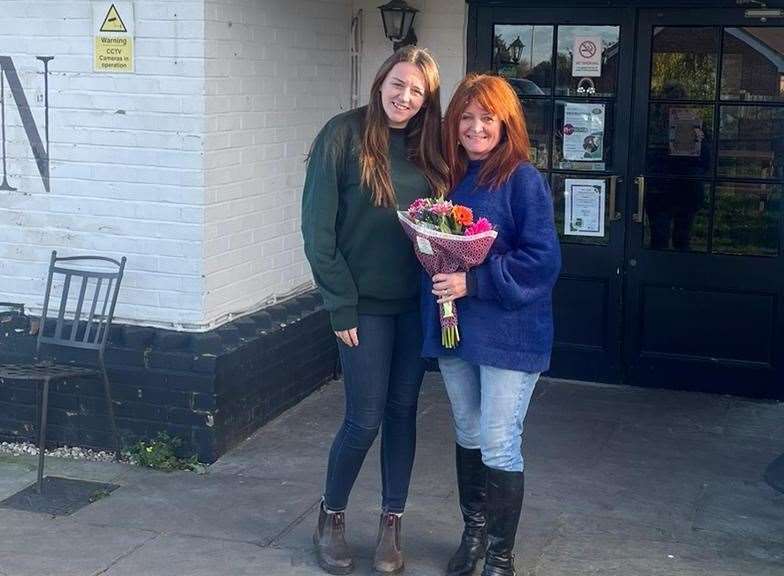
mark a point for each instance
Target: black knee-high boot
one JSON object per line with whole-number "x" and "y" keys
{"x": 471, "y": 478}
{"x": 504, "y": 505}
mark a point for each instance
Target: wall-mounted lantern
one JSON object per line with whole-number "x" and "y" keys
{"x": 516, "y": 50}
{"x": 398, "y": 19}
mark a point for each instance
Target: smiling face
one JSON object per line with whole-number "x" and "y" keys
{"x": 480, "y": 131}
{"x": 402, "y": 94}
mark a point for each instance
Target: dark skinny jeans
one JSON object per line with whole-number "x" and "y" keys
{"x": 382, "y": 377}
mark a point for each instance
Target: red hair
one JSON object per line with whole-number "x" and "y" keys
{"x": 495, "y": 95}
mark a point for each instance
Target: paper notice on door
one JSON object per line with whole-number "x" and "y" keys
{"x": 584, "y": 207}
{"x": 583, "y": 132}
{"x": 685, "y": 132}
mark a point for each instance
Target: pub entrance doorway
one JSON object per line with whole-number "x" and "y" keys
{"x": 661, "y": 131}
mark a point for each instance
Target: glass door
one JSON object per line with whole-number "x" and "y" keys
{"x": 571, "y": 69}
{"x": 705, "y": 272}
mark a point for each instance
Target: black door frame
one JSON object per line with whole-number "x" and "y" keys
{"x": 671, "y": 270}
{"x": 597, "y": 268}
{"x": 481, "y": 17}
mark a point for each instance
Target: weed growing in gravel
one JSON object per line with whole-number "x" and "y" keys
{"x": 161, "y": 454}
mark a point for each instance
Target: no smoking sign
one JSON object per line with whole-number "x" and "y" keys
{"x": 587, "y": 49}
{"x": 587, "y": 56}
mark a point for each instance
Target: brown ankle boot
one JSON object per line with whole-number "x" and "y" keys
{"x": 388, "y": 559}
{"x": 330, "y": 540}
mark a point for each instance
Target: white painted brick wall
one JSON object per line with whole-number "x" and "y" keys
{"x": 439, "y": 26}
{"x": 193, "y": 165}
{"x": 276, "y": 71}
{"x": 125, "y": 156}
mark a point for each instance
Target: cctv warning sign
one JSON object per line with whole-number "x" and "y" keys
{"x": 113, "y": 37}
{"x": 113, "y": 22}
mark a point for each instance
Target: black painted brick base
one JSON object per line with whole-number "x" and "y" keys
{"x": 211, "y": 390}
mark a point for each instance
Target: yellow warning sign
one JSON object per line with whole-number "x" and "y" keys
{"x": 113, "y": 22}
{"x": 113, "y": 36}
{"x": 113, "y": 54}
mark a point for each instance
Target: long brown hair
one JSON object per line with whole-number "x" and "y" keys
{"x": 495, "y": 95}
{"x": 423, "y": 131}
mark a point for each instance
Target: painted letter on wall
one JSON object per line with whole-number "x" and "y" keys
{"x": 9, "y": 75}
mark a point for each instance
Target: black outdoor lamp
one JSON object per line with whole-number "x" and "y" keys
{"x": 516, "y": 49}
{"x": 398, "y": 18}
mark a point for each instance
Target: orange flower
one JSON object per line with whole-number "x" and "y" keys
{"x": 463, "y": 215}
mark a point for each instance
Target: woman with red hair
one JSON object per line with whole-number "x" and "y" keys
{"x": 505, "y": 309}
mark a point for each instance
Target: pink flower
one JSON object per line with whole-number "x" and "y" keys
{"x": 416, "y": 207}
{"x": 442, "y": 208}
{"x": 481, "y": 225}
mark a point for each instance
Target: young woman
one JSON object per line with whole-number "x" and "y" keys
{"x": 363, "y": 165}
{"x": 505, "y": 315}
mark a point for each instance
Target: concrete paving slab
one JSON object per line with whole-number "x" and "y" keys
{"x": 756, "y": 420}
{"x": 172, "y": 555}
{"x": 615, "y": 503}
{"x": 581, "y": 551}
{"x": 774, "y": 473}
{"x": 752, "y": 549}
{"x": 37, "y": 545}
{"x": 689, "y": 452}
{"x": 292, "y": 443}
{"x": 620, "y": 481}
{"x": 15, "y": 475}
{"x": 224, "y": 507}
{"x": 558, "y": 447}
{"x": 646, "y": 407}
{"x": 743, "y": 509}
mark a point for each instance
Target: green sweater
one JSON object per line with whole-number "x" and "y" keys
{"x": 361, "y": 260}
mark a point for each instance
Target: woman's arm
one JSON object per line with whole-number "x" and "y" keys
{"x": 320, "y": 198}
{"x": 529, "y": 271}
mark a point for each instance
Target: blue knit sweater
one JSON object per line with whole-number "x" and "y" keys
{"x": 506, "y": 320}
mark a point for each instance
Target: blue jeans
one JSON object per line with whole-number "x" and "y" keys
{"x": 382, "y": 378}
{"x": 489, "y": 406}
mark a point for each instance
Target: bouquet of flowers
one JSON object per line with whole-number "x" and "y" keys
{"x": 446, "y": 239}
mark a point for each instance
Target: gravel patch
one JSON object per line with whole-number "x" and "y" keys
{"x": 73, "y": 453}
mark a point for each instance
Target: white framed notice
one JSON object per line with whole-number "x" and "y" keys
{"x": 587, "y": 56}
{"x": 583, "y": 132}
{"x": 584, "y": 205}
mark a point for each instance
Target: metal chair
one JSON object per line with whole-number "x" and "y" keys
{"x": 88, "y": 334}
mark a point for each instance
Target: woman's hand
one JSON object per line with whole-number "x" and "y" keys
{"x": 448, "y": 287}
{"x": 348, "y": 337}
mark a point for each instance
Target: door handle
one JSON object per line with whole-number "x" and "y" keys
{"x": 614, "y": 214}
{"x": 638, "y": 216}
